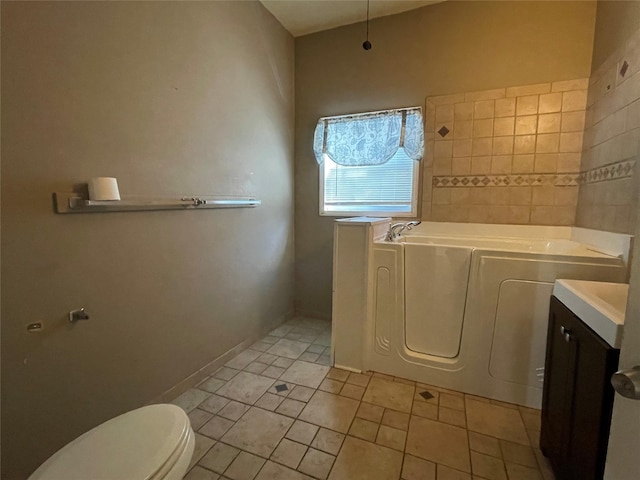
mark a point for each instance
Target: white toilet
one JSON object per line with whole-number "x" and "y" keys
{"x": 151, "y": 443}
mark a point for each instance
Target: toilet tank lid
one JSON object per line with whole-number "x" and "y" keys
{"x": 132, "y": 446}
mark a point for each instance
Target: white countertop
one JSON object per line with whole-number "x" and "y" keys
{"x": 601, "y": 305}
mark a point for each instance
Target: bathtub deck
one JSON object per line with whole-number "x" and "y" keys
{"x": 278, "y": 411}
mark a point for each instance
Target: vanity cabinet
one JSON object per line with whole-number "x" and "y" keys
{"x": 577, "y": 397}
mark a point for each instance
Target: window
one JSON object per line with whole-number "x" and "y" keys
{"x": 387, "y": 189}
{"x": 368, "y": 163}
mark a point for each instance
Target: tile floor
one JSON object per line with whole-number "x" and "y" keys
{"x": 278, "y": 411}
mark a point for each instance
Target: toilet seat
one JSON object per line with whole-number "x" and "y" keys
{"x": 150, "y": 443}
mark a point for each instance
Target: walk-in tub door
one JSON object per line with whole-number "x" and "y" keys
{"x": 436, "y": 279}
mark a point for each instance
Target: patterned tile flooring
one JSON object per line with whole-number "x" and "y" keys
{"x": 278, "y": 411}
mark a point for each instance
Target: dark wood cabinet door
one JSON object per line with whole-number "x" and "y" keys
{"x": 577, "y": 398}
{"x": 592, "y": 404}
{"x": 559, "y": 387}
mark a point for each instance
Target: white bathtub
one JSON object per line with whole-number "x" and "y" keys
{"x": 461, "y": 311}
{"x": 553, "y": 247}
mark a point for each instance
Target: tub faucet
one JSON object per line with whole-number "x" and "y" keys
{"x": 394, "y": 231}
{"x": 397, "y": 228}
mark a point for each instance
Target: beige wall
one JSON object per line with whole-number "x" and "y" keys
{"x": 171, "y": 98}
{"x": 608, "y": 198}
{"x": 445, "y": 48}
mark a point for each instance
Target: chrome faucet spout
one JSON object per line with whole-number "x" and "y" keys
{"x": 394, "y": 231}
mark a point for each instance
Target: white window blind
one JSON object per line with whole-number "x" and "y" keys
{"x": 386, "y": 189}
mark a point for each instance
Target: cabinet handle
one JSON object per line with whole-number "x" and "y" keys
{"x": 566, "y": 332}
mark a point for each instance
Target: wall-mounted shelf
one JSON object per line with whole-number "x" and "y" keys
{"x": 74, "y": 203}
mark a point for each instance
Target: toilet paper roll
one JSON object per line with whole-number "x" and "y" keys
{"x": 103, "y": 188}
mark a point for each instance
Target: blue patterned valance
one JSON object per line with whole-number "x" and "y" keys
{"x": 370, "y": 138}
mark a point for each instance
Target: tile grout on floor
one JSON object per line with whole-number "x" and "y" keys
{"x": 428, "y": 448}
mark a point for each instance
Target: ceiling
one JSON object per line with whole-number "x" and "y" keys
{"x": 301, "y": 17}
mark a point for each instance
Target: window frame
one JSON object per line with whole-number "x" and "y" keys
{"x": 415, "y": 194}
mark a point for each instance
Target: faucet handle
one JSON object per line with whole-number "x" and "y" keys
{"x": 80, "y": 314}
{"x": 395, "y": 230}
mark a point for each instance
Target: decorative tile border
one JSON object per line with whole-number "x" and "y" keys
{"x": 613, "y": 171}
{"x": 512, "y": 180}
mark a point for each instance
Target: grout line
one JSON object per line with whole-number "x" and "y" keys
{"x": 345, "y": 435}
